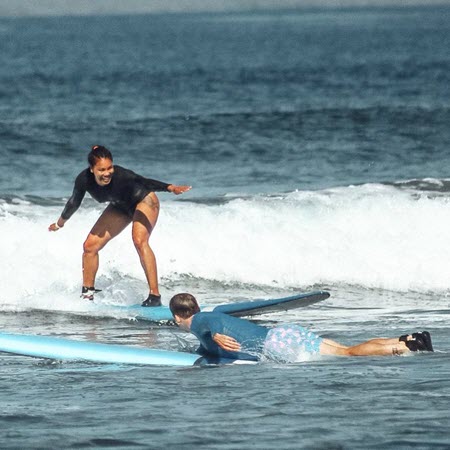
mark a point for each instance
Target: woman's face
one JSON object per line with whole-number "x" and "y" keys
{"x": 103, "y": 171}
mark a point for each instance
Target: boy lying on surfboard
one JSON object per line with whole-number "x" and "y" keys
{"x": 225, "y": 336}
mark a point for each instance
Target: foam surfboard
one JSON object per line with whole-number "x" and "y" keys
{"x": 66, "y": 349}
{"x": 238, "y": 309}
{"x": 70, "y": 350}
{"x": 256, "y": 307}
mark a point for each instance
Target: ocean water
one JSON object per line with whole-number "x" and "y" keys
{"x": 317, "y": 143}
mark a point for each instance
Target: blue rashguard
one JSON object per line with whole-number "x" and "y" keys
{"x": 250, "y": 336}
{"x": 285, "y": 343}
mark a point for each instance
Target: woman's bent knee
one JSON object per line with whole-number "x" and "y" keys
{"x": 140, "y": 243}
{"x": 92, "y": 246}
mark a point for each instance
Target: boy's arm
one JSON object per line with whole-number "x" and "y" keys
{"x": 226, "y": 342}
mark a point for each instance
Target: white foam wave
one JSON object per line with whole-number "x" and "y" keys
{"x": 372, "y": 235}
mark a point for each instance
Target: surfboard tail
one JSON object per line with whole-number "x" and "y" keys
{"x": 256, "y": 307}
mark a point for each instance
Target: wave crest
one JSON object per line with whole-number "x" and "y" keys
{"x": 374, "y": 236}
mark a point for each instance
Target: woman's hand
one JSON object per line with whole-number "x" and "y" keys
{"x": 177, "y": 190}
{"x": 226, "y": 342}
{"x": 56, "y": 226}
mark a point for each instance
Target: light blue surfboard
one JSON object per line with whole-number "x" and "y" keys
{"x": 238, "y": 309}
{"x": 69, "y": 350}
{"x": 66, "y": 349}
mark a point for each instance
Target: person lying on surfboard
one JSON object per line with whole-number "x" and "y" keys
{"x": 224, "y": 336}
{"x": 132, "y": 199}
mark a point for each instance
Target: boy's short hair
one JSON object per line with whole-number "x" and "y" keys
{"x": 184, "y": 305}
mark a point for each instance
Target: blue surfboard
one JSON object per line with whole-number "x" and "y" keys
{"x": 238, "y": 309}
{"x": 256, "y": 307}
{"x": 70, "y": 350}
{"x": 66, "y": 349}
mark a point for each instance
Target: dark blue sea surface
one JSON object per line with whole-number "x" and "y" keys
{"x": 317, "y": 143}
{"x": 228, "y": 102}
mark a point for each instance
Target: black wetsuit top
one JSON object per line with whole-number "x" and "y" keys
{"x": 125, "y": 190}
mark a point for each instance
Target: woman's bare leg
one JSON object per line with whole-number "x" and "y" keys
{"x": 144, "y": 221}
{"x": 109, "y": 225}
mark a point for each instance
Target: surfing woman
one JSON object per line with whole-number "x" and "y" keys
{"x": 132, "y": 199}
